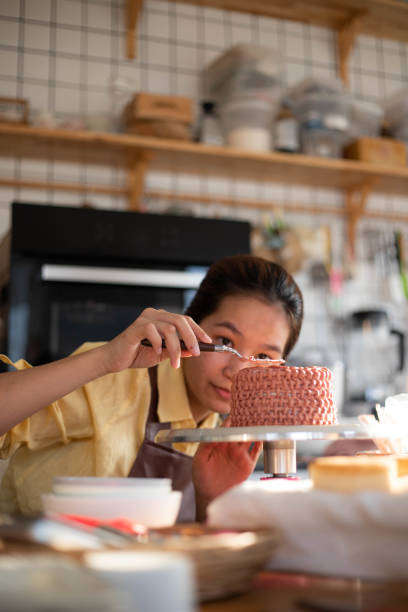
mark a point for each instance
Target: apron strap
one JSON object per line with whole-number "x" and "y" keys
{"x": 153, "y": 425}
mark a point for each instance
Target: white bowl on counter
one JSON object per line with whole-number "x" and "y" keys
{"x": 152, "y": 581}
{"x": 148, "y": 501}
{"x": 154, "y": 509}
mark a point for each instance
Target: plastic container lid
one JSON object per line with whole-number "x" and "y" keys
{"x": 313, "y": 86}
{"x": 242, "y": 57}
{"x": 244, "y": 103}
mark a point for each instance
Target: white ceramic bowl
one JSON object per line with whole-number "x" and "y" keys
{"x": 153, "y": 581}
{"x": 89, "y": 485}
{"x": 153, "y": 509}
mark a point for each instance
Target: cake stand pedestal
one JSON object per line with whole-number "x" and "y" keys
{"x": 280, "y": 458}
{"x": 279, "y": 442}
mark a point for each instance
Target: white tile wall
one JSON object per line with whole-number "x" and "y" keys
{"x": 64, "y": 56}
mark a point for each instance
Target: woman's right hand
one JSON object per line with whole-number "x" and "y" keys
{"x": 126, "y": 350}
{"x": 218, "y": 466}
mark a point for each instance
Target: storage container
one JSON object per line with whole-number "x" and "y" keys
{"x": 247, "y": 123}
{"x": 320, "y": 141}
{"x": 323, "y": 110}
{"x": 366, "y": 119}
{"x": 396, "y": 115}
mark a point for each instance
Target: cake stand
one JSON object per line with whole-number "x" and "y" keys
{"x": 279, "y": 442}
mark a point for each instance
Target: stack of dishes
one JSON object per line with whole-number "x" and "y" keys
{"x": 148, "y": 501}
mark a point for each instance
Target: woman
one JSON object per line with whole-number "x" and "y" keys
{"x": 115, "y": 396}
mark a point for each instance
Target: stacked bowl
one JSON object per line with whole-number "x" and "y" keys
{"x": 148, "y": 501}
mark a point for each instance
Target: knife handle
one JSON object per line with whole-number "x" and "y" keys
{"x": 203, "y": 346}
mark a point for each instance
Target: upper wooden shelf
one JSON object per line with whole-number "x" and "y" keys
{"x": 381, "y": 18}
{"x": 195, "y": 158}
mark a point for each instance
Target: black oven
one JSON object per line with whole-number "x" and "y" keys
{"x": 80, "y": 274}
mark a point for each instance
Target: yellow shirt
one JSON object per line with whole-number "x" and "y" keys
{"x": 96, "y": 430}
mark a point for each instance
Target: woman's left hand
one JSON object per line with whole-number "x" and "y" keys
{"x": 218, "y": 466}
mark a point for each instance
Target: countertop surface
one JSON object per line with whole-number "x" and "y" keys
{"x": 273, "y": 591}
{"x": 284, "y": 592}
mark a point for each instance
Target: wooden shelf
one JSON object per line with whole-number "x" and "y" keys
{"x": 380, "y": 18}
{"x": 101, "y": 148}
{"x": 139, "y": 154}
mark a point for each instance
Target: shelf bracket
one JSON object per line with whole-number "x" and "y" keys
{"x": 345, "y": 40}
{"x": 356, "y": 201}
{"x": 137, "y": 169}
{"x": 134, "y": 8}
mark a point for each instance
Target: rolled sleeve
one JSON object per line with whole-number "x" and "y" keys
{"x": 62, "y": 421}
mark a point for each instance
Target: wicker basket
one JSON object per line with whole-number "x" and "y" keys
{"x": 225, "y": 561}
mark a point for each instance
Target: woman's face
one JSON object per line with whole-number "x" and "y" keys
{"x": 248, "y": 324}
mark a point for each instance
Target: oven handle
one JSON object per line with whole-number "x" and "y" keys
{"x": 121, "y": 276}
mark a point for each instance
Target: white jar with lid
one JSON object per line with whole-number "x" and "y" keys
{"x": 247, "y": 123}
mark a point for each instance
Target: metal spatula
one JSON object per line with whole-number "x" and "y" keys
{"x": 207, "y": 347}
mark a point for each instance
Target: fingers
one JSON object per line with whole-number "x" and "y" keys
{"x": 154, "y": 338}
{"x": 198, "y": 331}
{"x": 227, "y": 422}
{"x": 255, "y": 451}
{"x": 162, "y": 325}
{"x": 251, "y": 449}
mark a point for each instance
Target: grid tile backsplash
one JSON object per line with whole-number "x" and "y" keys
{"x": 66, "y": 55}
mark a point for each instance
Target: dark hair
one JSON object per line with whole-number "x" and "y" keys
{"x": 250, "y": 275}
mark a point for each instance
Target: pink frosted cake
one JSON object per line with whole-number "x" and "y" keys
{"x": 282, "y": 395}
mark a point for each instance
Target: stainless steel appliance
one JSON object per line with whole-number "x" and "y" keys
{"x": 374, "y": 355}
{"x": 80, "y": 274}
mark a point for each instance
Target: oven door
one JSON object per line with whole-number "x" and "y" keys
{"x": 55, "y": 308}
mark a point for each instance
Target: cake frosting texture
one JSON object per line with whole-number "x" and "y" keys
{"x": 282, "y": 395}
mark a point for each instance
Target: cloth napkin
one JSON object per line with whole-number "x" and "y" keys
{"x": 360, "y": 535}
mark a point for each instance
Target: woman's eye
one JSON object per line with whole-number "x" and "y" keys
{"x": 224, "y": 340}
{"x": 263, "y": 356}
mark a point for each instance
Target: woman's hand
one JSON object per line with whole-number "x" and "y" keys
{"x": 125, "y": 350}
{"x": 218, "y": 466}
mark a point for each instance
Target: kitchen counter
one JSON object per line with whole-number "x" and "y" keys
{"x": 284, "y": 592}
{"x": 289, "y": 592}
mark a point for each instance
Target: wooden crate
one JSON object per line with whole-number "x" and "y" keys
{"x": 146, "y": 106}
{"x": 385, "y": 151}
{"x": 170, "y": 130}
{"x": 14, "y": 110}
